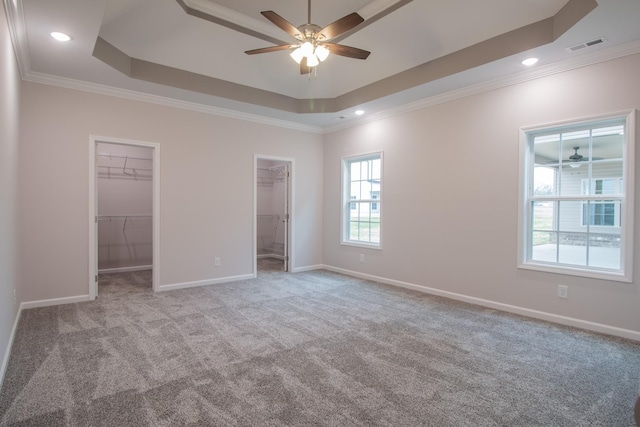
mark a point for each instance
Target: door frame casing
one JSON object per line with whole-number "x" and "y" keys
{"x": 291, "y": 206}
{"x": 93, "y": 209}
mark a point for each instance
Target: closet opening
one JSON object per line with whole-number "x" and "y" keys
{"x": 273, "y": 217}
{"x": 124, "y": 201}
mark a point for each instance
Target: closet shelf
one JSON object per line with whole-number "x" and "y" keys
{"x": 122, "y": 217}
{"x": 111, "y": 166}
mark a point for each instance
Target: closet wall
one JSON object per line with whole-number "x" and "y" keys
{"x": 125, "y": 205}
{"x": 271, "y": 208}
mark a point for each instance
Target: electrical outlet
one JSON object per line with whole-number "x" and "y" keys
{"x": 361, "y": 257}
{"x": 563, "y": 291}
{"x": 217, "y": 262}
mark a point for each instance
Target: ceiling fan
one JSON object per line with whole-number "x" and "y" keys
{"x": 314, "y": 44}
{"x": 575, "y": 158}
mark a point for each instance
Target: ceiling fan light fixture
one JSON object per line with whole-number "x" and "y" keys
{"x": 307, "y": 49}
{"x": 313, "y": 43}
{"x": 297, "y": 55}
{"x": 322, "y": 53}
{"x": 312, "y": 61}
{"x": 575, "y": 165}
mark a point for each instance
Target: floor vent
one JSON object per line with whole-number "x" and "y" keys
{"x": 590, "y": 43}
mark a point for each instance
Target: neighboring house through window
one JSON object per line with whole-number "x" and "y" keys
{"x": 601, "y": 213}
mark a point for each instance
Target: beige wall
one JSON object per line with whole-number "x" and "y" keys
{"x": 206, "y": 186}
{"x": 9, "y": 121}
{"x": 451, "y": 194}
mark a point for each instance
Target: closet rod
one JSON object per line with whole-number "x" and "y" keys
{"x": 121, "y": 157}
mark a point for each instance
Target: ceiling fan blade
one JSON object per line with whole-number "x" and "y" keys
{"x": 340, "y": 26}
{"x": 270, "y": 49}
{"x": 348, "y": 51}
{"x": 304, "y": 69}
{"x": 287, "y": 26}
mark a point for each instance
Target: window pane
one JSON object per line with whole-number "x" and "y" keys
{"x": 365, "y": 212}
{"x": 353, "y": 230}
{"x": 363, "y": 232}
{"x": 375, "y": 232}
{"x": 544, "y": 181}
{"x": 601, "y": 213}
{"x": 364, "y": 170}
{"x": 376, "y": 172}
{"x": 546, "y": 149}
{"x": 366, "y": 189}
{"x": 608, "y": 142}
{"x": 355, "y": 190}
{"x": 573, "y": 248}
{"x": 604, "y": 250}
{"x": 543, "y": 214}
{"x": 570, "y": 216}
{"x": 355, "y": 171}
{"x": 544, "y": 246}
{"x": 571, "y": 178}
{"x": 606, "y": 178}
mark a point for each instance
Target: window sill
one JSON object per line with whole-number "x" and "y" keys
{"x": 577, "y": 271}
{"x": 362, "y": 245}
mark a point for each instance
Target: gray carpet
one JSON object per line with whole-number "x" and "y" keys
{"x": 313, "y": 348}
{"x": 124, "y": 283}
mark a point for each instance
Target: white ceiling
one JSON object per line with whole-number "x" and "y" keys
{"x": 162, "y": 33}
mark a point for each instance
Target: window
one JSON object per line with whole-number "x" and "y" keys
{"x": 362, "y": 206}
{"x": 576, "y": 198}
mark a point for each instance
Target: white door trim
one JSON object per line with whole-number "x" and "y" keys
{"x": 93, "y": 241}
{"x": 291, "y": 197}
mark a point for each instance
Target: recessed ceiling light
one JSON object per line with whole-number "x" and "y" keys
{"x": 529, "y": 61}
{"x": 61, "y": 37}
{"x": 359, "y": 112}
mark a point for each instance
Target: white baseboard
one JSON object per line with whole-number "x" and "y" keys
{"x": 550, "y": 317}
{"x": 310, "y": 268}
{"x": 125, "y": 269}
{"x": 7, "y": 353}
{"x": 207, "y": 282}
{"x": 54, "y": 301}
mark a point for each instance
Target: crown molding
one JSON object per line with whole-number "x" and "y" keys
{"x": 18, "y": 31}
{"x": 586, "y": 60}
{"x": 99, "y": 89}
{"x": 599, "y": 56}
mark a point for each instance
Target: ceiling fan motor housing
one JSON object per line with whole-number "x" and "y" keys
{"x": 310, "y": 31}
{"x": 575, "y": 157}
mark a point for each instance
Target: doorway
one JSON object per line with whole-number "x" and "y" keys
{"x": 124, "y": 217}
{"x": 273, "y": 213}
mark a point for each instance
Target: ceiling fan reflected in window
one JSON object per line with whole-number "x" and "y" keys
{"x": 314, "y": 45}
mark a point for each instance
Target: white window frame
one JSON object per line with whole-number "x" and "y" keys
{"x": 525, "y": 189}
{"x": 347, "y": 200}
